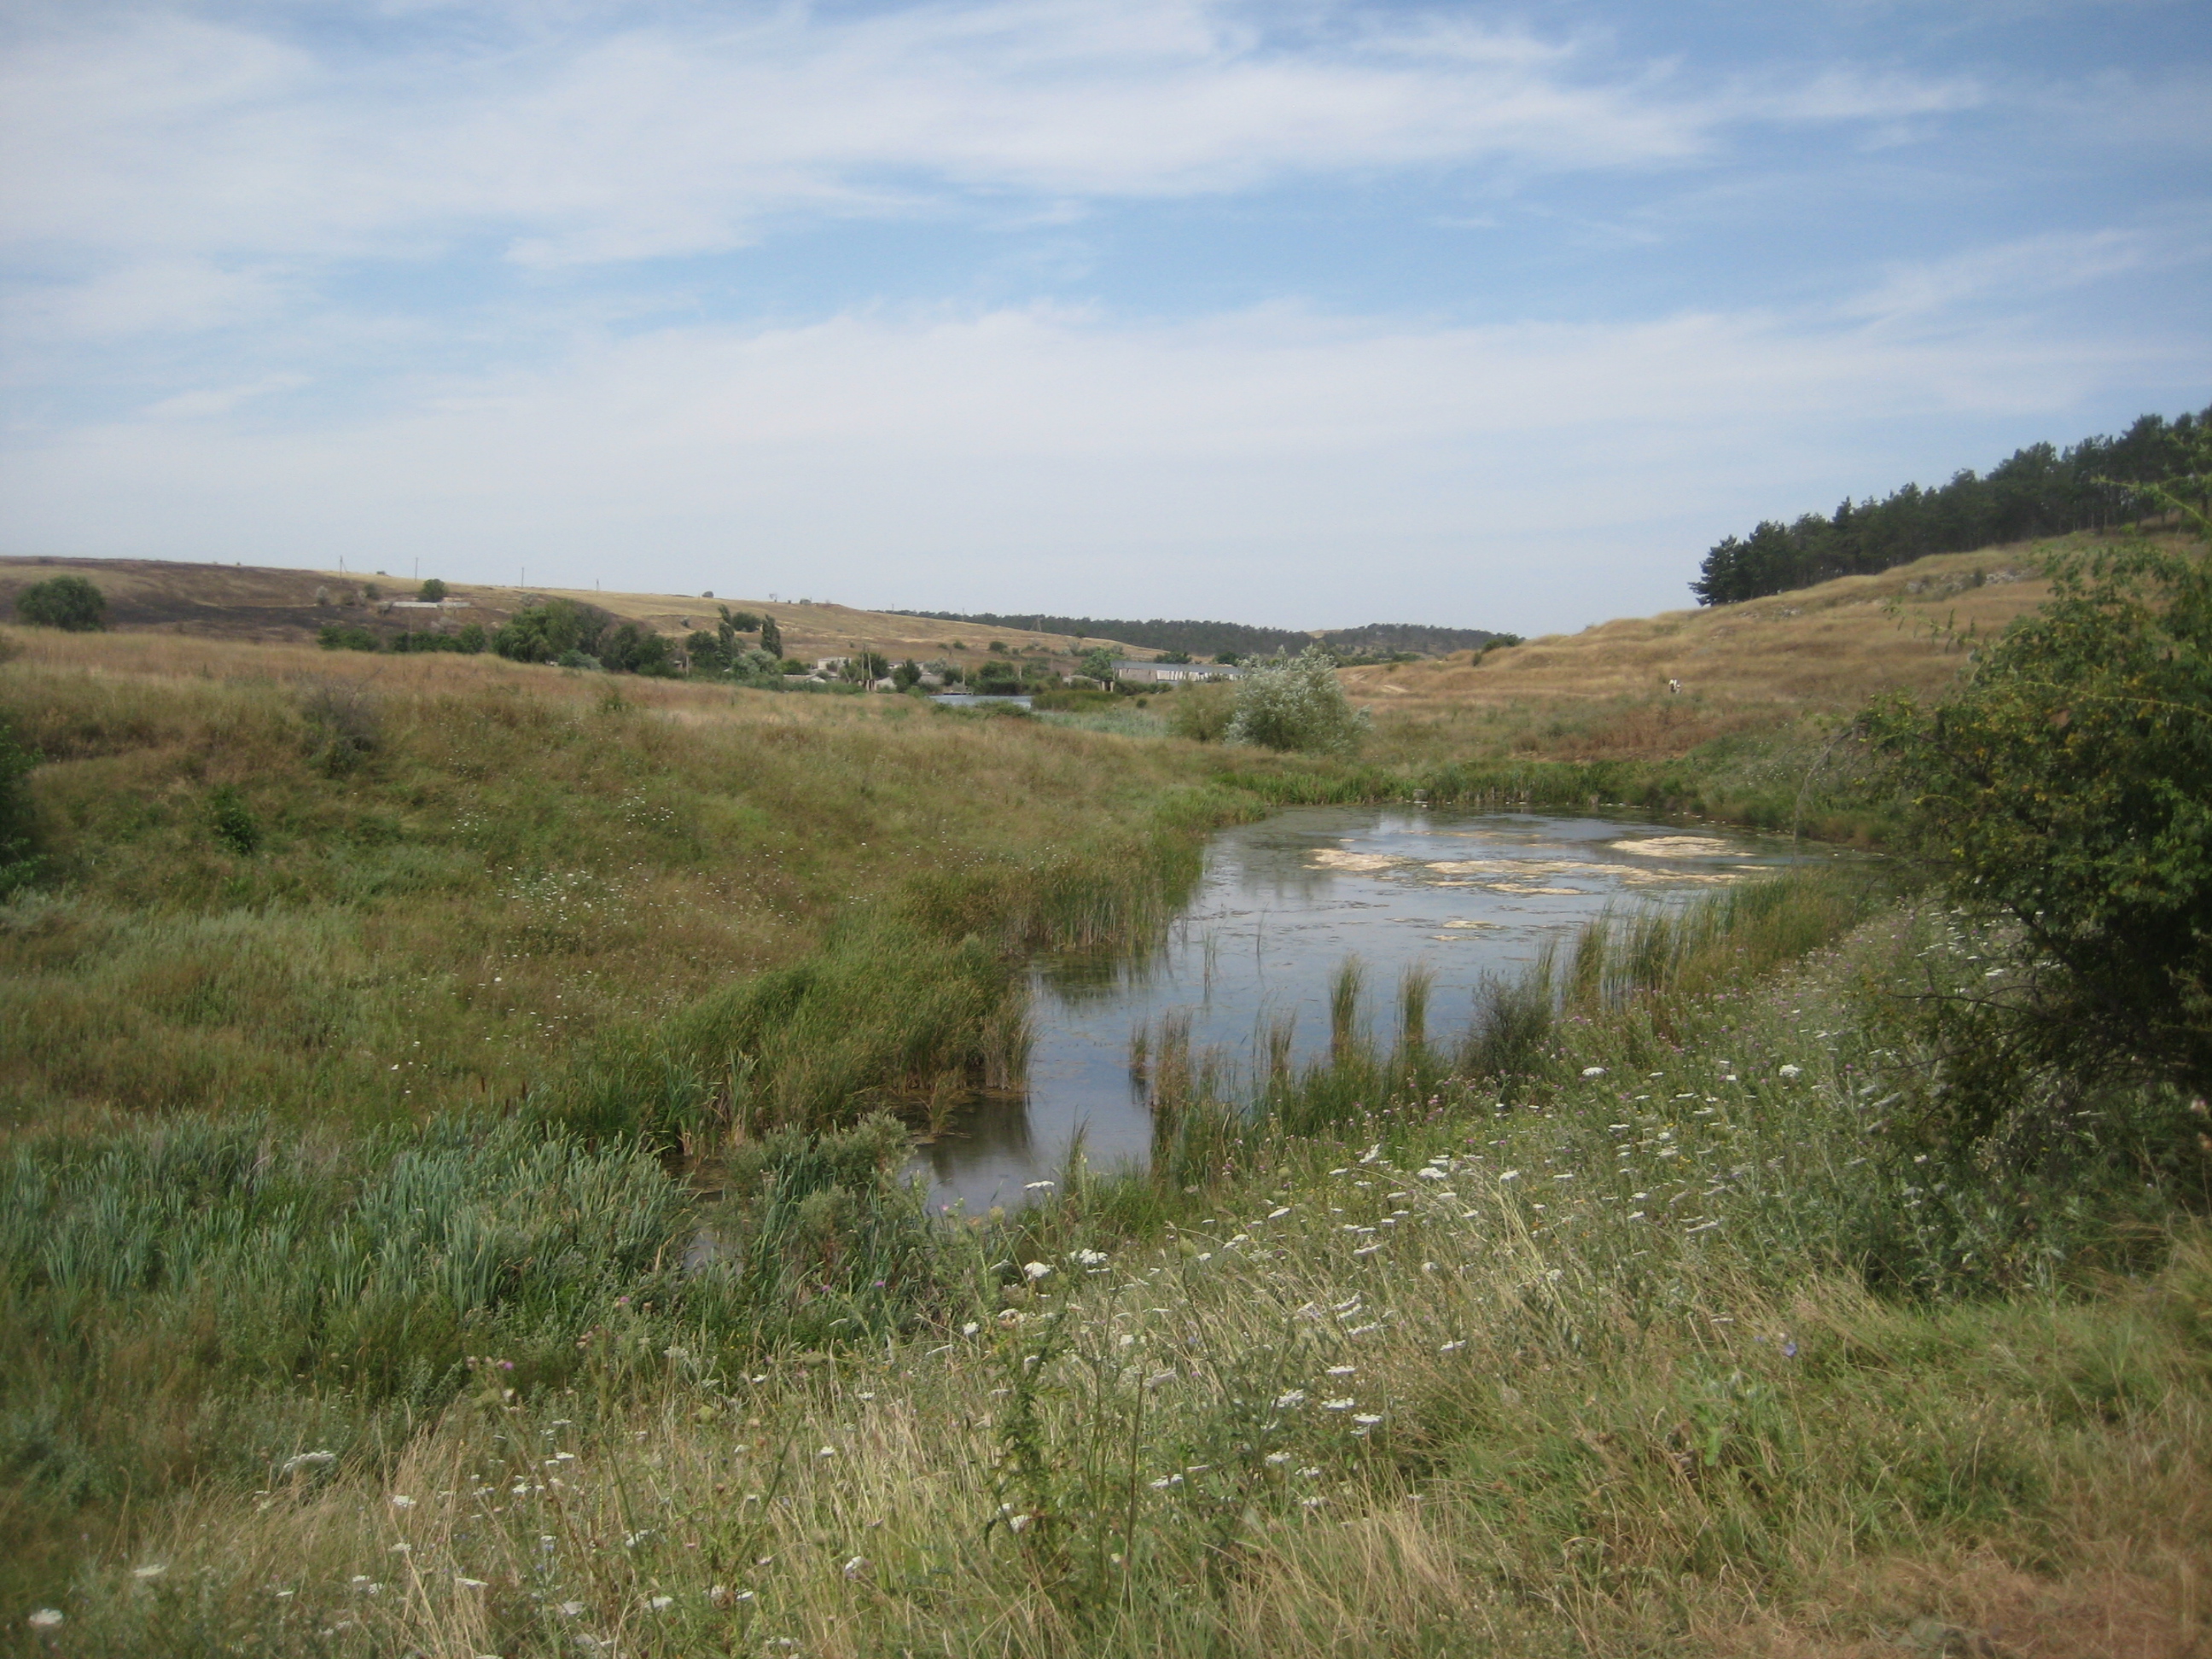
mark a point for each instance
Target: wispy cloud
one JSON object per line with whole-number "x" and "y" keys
{"x": 632, "y": 140}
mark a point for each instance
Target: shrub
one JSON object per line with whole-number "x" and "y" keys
{"x": 1298, "y": 706}
{"x": 543, "y": 633}
{"x": 234, "y": 826}
{"x": 1202, "y": 713}
{"x": 2068, "y": 785}
{"x": 346, "y": 636}
{"x": 432, "y": 591}
{"x": 69, "y": 603}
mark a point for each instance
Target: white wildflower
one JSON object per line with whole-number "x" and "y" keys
{"x": 44, "y": 1619}
{"x": 1793, "y": 1071}
{"x": 1592, "y": 1071}
{"x": 856, "y": 1566}
{"x": 1034, "y": 1271}
{"x": 1344, "y": 1404}
{"x": 1290, "y": 1401}
{"x": 401, "y": 1501}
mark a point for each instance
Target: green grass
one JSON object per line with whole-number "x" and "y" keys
{"x": 467, "y": 1087}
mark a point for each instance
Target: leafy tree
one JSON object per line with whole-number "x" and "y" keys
{"x": 631, "y": 647}
{"x": 432, "y": 591}
{"x": 1099, "y": 665}
{"x": 69, "y": 603}
{"x": 771, "y": 637}
{"x": 544, "y": 632}
{"x": 2069, "y": 782}
{"x": 472, "y": 639}
{"x": 1298, "y": 705}
{"x": 997, "y": 679}
{"x": 1202, "y": 713}
{"x": 1174, "y": 656}
{"x": 906, "y": 675}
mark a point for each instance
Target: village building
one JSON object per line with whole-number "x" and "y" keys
{"x": 1131, "y": 671}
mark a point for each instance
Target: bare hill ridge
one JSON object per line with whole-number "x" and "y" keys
{"x": 278, "y": 605}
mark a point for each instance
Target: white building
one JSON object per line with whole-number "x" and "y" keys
{"x": 1133, "y": 672}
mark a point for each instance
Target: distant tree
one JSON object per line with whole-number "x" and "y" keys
{"x": 1202, "y": 713}
{"x": 997, "y": 679}
{"x": 1298, "y": 705}
{"x": 432, "y": 591}
{"x": 908, "y": 674}
{"x": 1227, "y": 659}
{"x": 69, "y": 603}
{"x": 1099, "y": 665}
{"x": 1173, "y": 656}
{"x": 471, "y": 639}
{"x": 771, "y": 637}
{"x": 346, "y": 636}
{"x": 545, "y": 631}
{"x": 998, "y": 646}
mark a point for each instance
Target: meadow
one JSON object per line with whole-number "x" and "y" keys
{"x": 453, "y": 1112}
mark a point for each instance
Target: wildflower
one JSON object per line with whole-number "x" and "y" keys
{"x": 1290, "y": 1401}
{"x": 1313, "y": 1502}
{"x": 1165, "y": 1481}
{"x": 309, "y": 1460}
{"x": 44, "y": 1619}
{"x": 1344, "y": 1404}
{"x": 571, "y": 1609}
{"x": 1790, "y": 1351}
{"x": 1342, "y": 1370}
{"x": 401, "y": 1501}
{"x": 150, "y": 1572}
{"x": 1793, "y": 1071}
{"x": 1592, "y": 1071}
{"x": 1371, "y": 1153}
{"x": 1276, "y": 1459}
{"x": 1089, "y": 1258}
{"x": 1511, "y": 1175}
{"x": 468, "y": 1583}
{"x": 1367, "y": 1420}
{"x": 1452, "y": 1347}
{"x": 969, "y": 1329}
{"x": 1033, "y": 1271}
{"x": 856, "y": 1566}
{"x": 827, "y": 1451}
{"x": 1431, "y": 1173}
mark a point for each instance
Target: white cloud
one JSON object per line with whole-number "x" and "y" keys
{"x": 164, "y": 134}
{"x": 1501, "y": 475}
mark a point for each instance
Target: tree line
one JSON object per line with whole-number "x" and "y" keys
{"x": 2040, "y": 490}
{"x": 1226, "y": 641}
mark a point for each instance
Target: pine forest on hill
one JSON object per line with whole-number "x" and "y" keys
{"x": 2041, "y": 490}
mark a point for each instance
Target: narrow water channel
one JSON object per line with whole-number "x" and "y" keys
{"x": 1280, "y": 906}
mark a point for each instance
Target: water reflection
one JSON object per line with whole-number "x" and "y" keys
{"x": 1280, "y": 905}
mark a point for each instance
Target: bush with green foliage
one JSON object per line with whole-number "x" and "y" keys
{"x": 233, "y": 820}
{"x": 996, "y": 678}
{"x": 432, "y": 591}
{"x": 1297, "y": 706}
{"x": 543, "y": 633}
{"x": 69, "y": 603}
{"x": 1202, "y": 713}
{"x": 346, "y": 636}
{"x": 2068, "y": 784}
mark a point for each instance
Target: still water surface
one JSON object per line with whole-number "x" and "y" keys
{"x": 1280, "y": 905}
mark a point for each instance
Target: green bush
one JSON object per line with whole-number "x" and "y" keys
{"x": 432, "y": 591}
{"x": 346, "y": 636}
{"x": 1297, "y": 706}
{"x": 233, "y": 824}
{"x": 2067, "y": 783}
{"x": 69, "y": 603}
{"x": 1202, "y": 713}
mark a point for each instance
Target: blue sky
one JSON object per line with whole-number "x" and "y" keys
{"x": 1301, "y": 313}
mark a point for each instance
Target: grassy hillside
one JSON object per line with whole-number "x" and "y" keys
{"x": 1767, "y": 662}
{"x": 446, "y": 1207}
{"x": 275, "y": 605}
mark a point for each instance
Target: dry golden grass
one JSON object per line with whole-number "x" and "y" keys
{"x": 1603, "y": 693}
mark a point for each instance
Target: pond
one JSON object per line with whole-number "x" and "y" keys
{"x": 1279, "y": 907}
